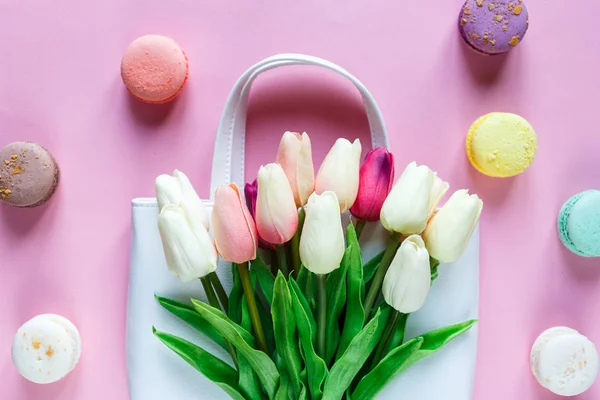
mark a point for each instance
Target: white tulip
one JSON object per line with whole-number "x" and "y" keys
{"x": 450, "y": 229}
{"x": 340, "y": 172}
{"x": 276, "y": 212}
{"x": 322, "y": 242}
{"x": 407, "y": 281}
{"x": 189, "y": 249}
{"x": 412, "y": 199}
{"x": 178, "y": 190}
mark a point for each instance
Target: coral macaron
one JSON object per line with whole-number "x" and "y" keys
{"x": 154, "y": 69}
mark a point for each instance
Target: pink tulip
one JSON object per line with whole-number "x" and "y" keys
{"x": 295, "y": 157}
{"x": 251, "y": 192}
{"x": 233, "y": 228}
{"x": 276, "y": 212}
{"x": 375, "y": 183}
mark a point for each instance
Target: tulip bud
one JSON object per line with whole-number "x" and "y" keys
{"x": 276, "y": 212}
{"x": 339, "y": 172}
{"x": 232, "y": 225}
{"x": 189, "y": 250}
{"x": 409, "y": 204}
{"x": 178, "y": 190}
{"x": 322, "y": 241}
{"x": 450, "y": 229}
{"x": 375, "y": 183}
{"x": 251, "y": 192}
{"x": 407, "y": 281}
{"x": 295, "y": 157}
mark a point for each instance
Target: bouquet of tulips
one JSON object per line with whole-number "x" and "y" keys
{"x": 306, "y": 317}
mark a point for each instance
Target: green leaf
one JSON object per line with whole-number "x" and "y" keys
{"x": 266, "y": 280}
{"x": 248, "y": 381}
{"x": 355, "y": 312}
{"x": 243, "y": 341}
{"x": 315, "y": 366}
{"x": 390, "y": 367}
{"x": 264, "y": 311}
{"x": 210, "y": 366}
{"x": 284, "y": 326}
{"x": 308, "y": 283}
{"x": 371, "y": 266}
{"x": 235, "y": 297}
{"x": 344, "y": 369}
{"x": 336, "y": 299}
{"x": 188, "y": 314}
{"x": 398, "y": 335}
{"x": 386, "y": 370}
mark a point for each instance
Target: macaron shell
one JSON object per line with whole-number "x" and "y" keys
{"x": 493, "y": 26}
{"x": 568, "y": 364}
{"x": 541, "y": 341}
{"x": 29, "y": 175}
{"x": 46, "y": 348}
{"x": 579, "y": 224}
{"x": 154, "y": 69}
{"x": 501, "y": 144}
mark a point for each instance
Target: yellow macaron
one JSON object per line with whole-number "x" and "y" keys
{"x": 501, "y": 144}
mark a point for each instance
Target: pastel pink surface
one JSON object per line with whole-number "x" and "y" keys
{"x": 71, "y": 255}
{"x": 154, "y": 68}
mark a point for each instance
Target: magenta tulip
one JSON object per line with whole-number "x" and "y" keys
{"x": 233, "y": 228}
{"x": 375, "y": 183}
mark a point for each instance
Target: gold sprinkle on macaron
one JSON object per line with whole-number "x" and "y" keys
{"x": 518, "y": 9}
{"x": 514, "y": 41}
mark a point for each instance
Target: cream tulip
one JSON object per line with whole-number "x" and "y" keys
{"x": 410, "y": 202}
{"x": 340, "y": 172}
{"x": 450, "y": 229}
{"x": 188, "y": 248}
{"x": 177, "y": 189}
{"x": 322, "y": 241}
{"x": 407, "y": 281}
{"x": 295, "y": 157}
{"x": 276, "y": 212}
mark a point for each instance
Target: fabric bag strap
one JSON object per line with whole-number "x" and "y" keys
{"x": 230, "y": 142}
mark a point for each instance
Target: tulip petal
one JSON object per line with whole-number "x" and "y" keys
{"x": 406, "y": 209}
{"x": 407, "y": 282}
{"x": 450, "y": 229}
{"x": 375, "y": 183}
{"x": 276, "y": 212}
{"x": 233, "y": 227}
{"x": 189, "y": 250}
{"x": 295, "y": 157}
{"x": 339, "y": 172}
{"x": 322, "y": 242}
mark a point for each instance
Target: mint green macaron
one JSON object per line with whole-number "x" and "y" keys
{"x": 579, "y": 224}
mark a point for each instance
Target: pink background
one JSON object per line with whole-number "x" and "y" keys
{"x": 60, "y": 86}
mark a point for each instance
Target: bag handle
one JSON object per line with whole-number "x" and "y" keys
{"x": 230, "y": 142}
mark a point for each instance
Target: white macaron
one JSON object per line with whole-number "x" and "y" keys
{"x": 564, "y": 361}
{"x": 46, "y": 348}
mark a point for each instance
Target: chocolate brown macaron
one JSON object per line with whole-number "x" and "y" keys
{"x": 29, "y": 175}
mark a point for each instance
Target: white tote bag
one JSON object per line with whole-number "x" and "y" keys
{"x": 156, "y": 373}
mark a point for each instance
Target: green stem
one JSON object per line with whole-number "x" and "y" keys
{"x": 359, "y": 226}
{"x": 212, "y": 300}
{"x": 389, "y": 329}
{"x": 280, "y": 249}
{"x": 309, "y": 290}
{"x": 259, "y": 333}
{"x": 221, "y": 293}
{"x": 274, "y": 265}
{"x": 377, "y": 281}
{"x": 295, "y": 243}
{"x": 322, "y": 314}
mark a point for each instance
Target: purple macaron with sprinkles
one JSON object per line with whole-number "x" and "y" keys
{"x": 493, "y": 26}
